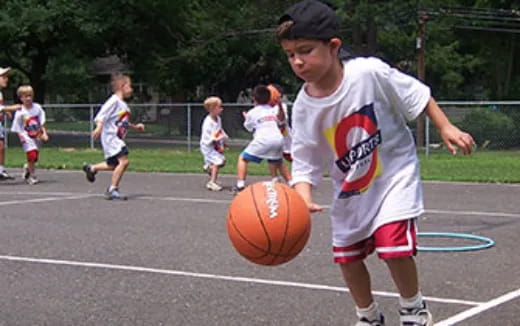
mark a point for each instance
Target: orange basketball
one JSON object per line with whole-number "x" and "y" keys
{"x": 268, "y": 223}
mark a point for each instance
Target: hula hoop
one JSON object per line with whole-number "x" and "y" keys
{"x": 484, "y": 242}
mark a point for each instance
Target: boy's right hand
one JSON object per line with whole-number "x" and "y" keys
{"x": 96, "y": 133}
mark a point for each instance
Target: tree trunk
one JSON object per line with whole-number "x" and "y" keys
{"x": 39, "y": 65}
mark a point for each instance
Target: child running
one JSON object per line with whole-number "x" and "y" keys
{"x": 29, "y": 123}
{"x": 283, "y": 122}
{"x": 5, "y": 112}
{"x": 267, "y": 140}
{"x": 112, "y": 124}
{"x": 351, "y": 115}
{"x": 212, "y": 141}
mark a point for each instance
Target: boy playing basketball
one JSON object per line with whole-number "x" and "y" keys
{"x": 5, "y": 111}
{"x": 212, "y": 141}
{"x": 267, "y": 140}
{"x": 352, "y": 113}
{"x": 29, "y": 123}
{"x": 112, "y": 124}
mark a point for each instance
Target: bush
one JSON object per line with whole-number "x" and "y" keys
{"x": 490, "y": 128}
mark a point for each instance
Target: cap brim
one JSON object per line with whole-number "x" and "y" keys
{"x": 4, "y": 71}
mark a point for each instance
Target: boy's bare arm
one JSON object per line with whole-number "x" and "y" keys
{"x": 11, "y": 108}
{"x": 452, "y": 136}
{"x": 138, "y": 126}
{"x": 305, "y": 190}
{"x": 96, "y": 133}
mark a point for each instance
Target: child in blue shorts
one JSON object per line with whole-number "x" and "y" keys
{"x": 267, "y": 143}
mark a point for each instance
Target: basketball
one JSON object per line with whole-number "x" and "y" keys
{"x": 268, "y": 223}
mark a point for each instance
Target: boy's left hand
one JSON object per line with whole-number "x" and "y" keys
{"x": 139, "y": 127}
{"x": 453, "y": 137}
{"x": 44, "y": 137}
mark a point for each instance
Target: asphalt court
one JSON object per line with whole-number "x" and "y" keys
{"x": 69, "y": 257}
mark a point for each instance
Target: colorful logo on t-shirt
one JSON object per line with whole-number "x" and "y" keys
{"x": 354, "y": 140}
{"x": 122, "y": 123}
{"x": 218, "y": 144}
{"x": 32, "y": 126}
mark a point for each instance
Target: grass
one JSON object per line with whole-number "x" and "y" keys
{"x": 482, "y": 166}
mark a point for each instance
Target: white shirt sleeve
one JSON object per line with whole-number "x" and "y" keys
{"x": 407, "y": 94}
{"x": 249, "y": 123}
{"x": 17, "y": 125}
{"x": 207, "y": 132}
{"x": 106, "y": 110}
{"x": 41, "y": 116}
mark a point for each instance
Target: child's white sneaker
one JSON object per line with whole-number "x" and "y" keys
{"x": 25, "y": 172}
{"x": 416, "y": 316}
{"x": 376, "y": 322}
{"x": 213, "y": 186}
{"x": 32, "y": 180}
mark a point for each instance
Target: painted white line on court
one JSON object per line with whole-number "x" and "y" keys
{"x": 40, "y": 200}
{"x": 216, "y": 277}
{"x": 479, "y": 213}
{"x": 40, "y": 193}
{"x": 194, "y": 200}
{"x": 479, "y": 309}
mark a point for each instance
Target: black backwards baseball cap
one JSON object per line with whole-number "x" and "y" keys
{"x": 311, "y": 19}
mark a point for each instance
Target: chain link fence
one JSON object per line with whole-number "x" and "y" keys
{"x": 494, "y": 125}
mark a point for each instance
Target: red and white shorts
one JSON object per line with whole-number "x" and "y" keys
{"x": 392, "y": 240}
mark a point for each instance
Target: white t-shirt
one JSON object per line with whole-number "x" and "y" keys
{"x": 28, "y": 124}
{"x": 267, "y": 140}
{"x": 360, "y": 133}
{"x": 1, "y": 116}
{"x": 115, "y": 116}
{"x": 285, "y": 129}
{"x": 211, "y": 149}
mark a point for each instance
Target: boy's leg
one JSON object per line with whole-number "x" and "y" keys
{"x": 286, "y": 174}
{"x": 273, "y": 170}
{"x": 357, "y": 278}
{"x": 241, "y": 172}
{"x": 119, "y": 169}
{"x": 214, "y": 173}
{"x": 396, "y": 243}
{"x": 404, "y": 274}
{"x": 3, "y": 173}
{"x": 102, "y": 166}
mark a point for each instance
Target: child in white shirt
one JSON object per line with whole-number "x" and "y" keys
{"x": 5, "y": 112}
{"x": 212, "y": 141}
{"x": 350, "y": 116}
{"x": 112, "y": 124}
{"x": 29, "y": 123}
{"x": 267, "y": 141}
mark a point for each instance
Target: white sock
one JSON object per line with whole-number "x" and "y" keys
{"x": 1, "y": 168}
{"x": 371, "y": 312}
{"x": 414, "y": 302}
{"x": 241, "y": 183}
{"x": 111, "y": 188}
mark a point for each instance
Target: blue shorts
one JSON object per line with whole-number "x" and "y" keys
{"x": 256, "y": 159}
{"x": 114, "y": 160}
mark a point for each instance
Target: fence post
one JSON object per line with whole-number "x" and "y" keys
{"x": 91, "y": 123}
{"x": 188, "y": 133}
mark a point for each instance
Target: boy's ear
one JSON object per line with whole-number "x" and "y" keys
{"x": 335, "y": 44}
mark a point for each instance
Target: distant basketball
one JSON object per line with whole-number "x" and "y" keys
{"x": 268, "y": 223}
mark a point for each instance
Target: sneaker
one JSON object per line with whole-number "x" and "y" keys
{"x": 5, "y": 176}
{"x": 207, "y": 168}
{"x": 25, "y": 172}
{"x": 213, "y": 186}
{"x": 275, "y": 179}
{"x": 416, "y": 316}
{"x": 235, "y": 190}
{"x": 32, "y": 180}
{"x": 91, "y": 176}
{"x": 376, "y": 322}
{"x": 114, "y": 195}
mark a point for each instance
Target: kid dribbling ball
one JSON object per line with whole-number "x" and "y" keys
{"x": 268, "y": 223}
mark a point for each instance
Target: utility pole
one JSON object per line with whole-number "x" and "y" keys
{"x": 421, "y": 42}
